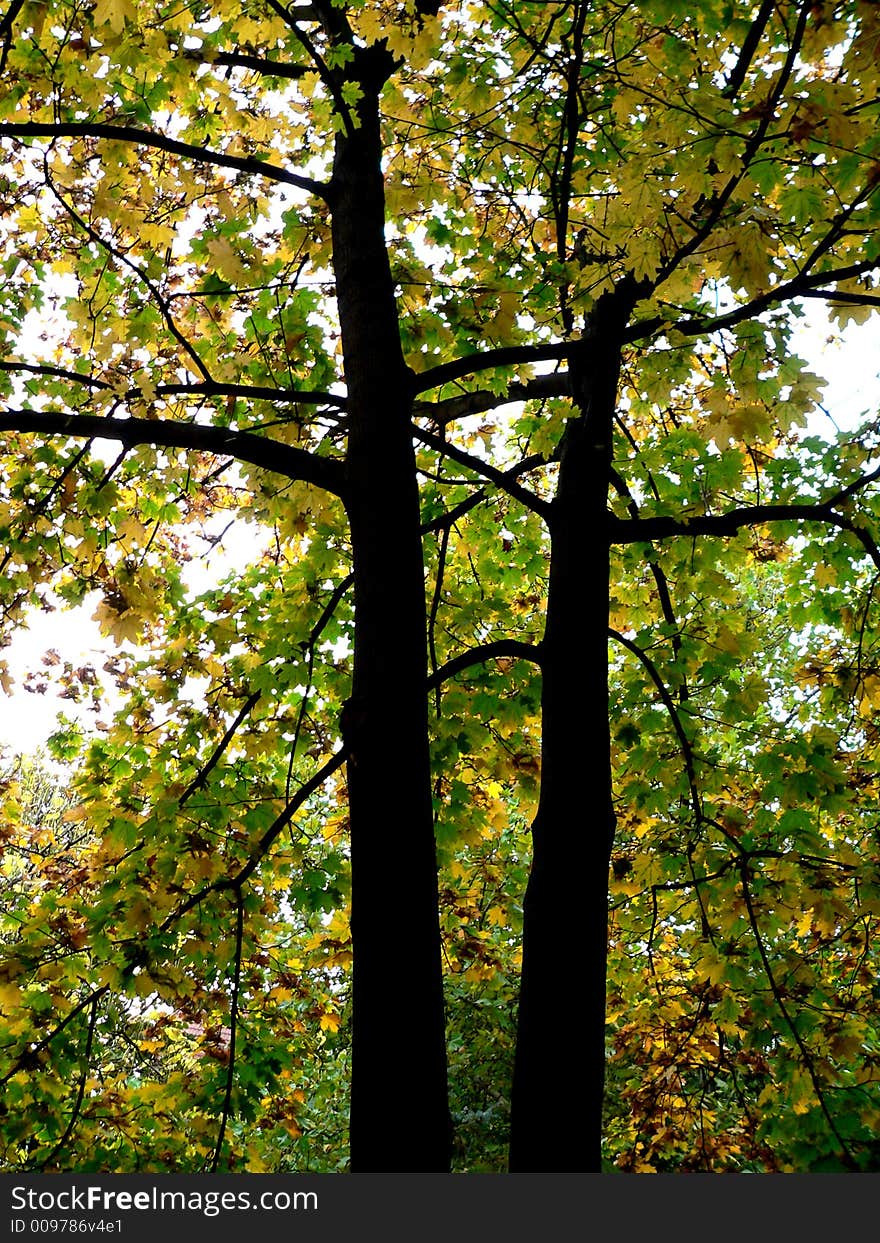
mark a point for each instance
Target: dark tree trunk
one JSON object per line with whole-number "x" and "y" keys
{"x": 556, "y": 1122}
{"x": 399, "y": 1110}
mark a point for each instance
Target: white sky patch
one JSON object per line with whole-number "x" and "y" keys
{"x": 846, "y": 358}
{"x": 27, "y": 717}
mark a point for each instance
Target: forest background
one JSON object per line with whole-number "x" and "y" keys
{"x": 514, "y": 807}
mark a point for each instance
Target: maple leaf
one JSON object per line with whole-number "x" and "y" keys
{"x": 115, "y": 13}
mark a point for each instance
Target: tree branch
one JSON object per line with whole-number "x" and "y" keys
{"x": 687, "y": 751}
{"x": 748, "y": 49}
{"x": 233, "y": 1029}
{"x": 317, "y": 630}
{"x": 798, "y": 287}
{"x": 806, "y": 1057}
{"x": 55, "y": 373}
{"x": 248, "y": 392}
{"x": 719, "y": 201}
{"x": 155, "y": 293}
{"x": 516, "y": 648}
{"x": 434, "y": 609}
{"x": 32, "y": 1050}
{"x": 554, "y": 384}
{"x": 81, "y": 1090}
{"x": 503, "y": 356}
{"x": 202, "y": 775}
{"x": 636, "y": 531}
{"x": 485, "y": 471}
{"x": 289, "y": 16}
{"x": 853, "y": 299}
{"x": 257, "y": 64}
{"x": 149, "y": 138}
{"x": 282, "y": 459}
{"x": 278, "y": 825}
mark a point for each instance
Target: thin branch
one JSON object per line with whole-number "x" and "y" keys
{"x": 257, "y": 64}
{"x": 636, "y": 531}
{"x": 687, "y": 752}
{"x": 275, "y": 829}
{"x": 6, "y": 24}
{"x": 30, "y": 1053}
{"x": 719, "y": 201}
{"x": 657, "y": 572}
{"x": 748, "y": 49}
{"x": 202, "y": 775}
{"x": 32, "y": 513}
{"x": 193, "y": 388}
{"x": 149, "y": 138}
{"x": 60, "y": 373}
{"x": 432, "y": 615}
{"x": 155, "y": 293}
{"x": 852, "y": 299}
{"x": 317, "y": 630}
{"x": 451, "y": 516}
{"x": 458, "y": 511}
{"x": 289, "y": 16}
{"x": 233, "y": 1029}
{"x": 486, "y": 471}
{"x": 248, "y": 392}
{"x": 674, "y": 715}
{"x": 81, "y": 1090}
{"x": 806, "y": 1057}
{"x": 798, "y": 287}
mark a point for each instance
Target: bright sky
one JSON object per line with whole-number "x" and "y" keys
{"x": 27, "y": 719}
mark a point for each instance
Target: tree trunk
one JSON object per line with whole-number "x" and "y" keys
{"x": 399, "y": 1109}
{"x": 556, "y": 1122}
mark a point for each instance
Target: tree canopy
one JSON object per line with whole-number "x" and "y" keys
{"x": 515, "y": 807}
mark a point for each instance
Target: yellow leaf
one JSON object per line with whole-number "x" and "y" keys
{"x": 228, "y": 263}
{"x": 120, "y": 626}
{"x": 711, "y": 967}
{"x": 330, "y": 1021}
{"x": 10, "y": 996}
{"x": 643, "y": 828}
{"x": 727, "y": 641}
{"x": 114, "y": 13}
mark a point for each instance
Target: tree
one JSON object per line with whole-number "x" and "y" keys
{"x": 639, "y": 198}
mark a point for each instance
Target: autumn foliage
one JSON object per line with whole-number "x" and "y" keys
{"x": 513, "y": 805}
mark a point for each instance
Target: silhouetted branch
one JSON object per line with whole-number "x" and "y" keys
{"x": 516, "y": 648}
{"x": 30, "y": 1054}
{"x": 233, "y": 1029}
{"x": 502, "y": 478}
{"x": 747, "y": 52}
{"x": 134, "y": 136}
{"x": 282, "y": 459}
{"x": 554, "y": 384}
{"x": 271, "y": 834}
{"x": 634, "y": 531}
{"x": 503, "y": 356}
{"x": 81, "y": 1089}
{"x": 202, "y": 775}
{"x": 806, "y": 1057}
